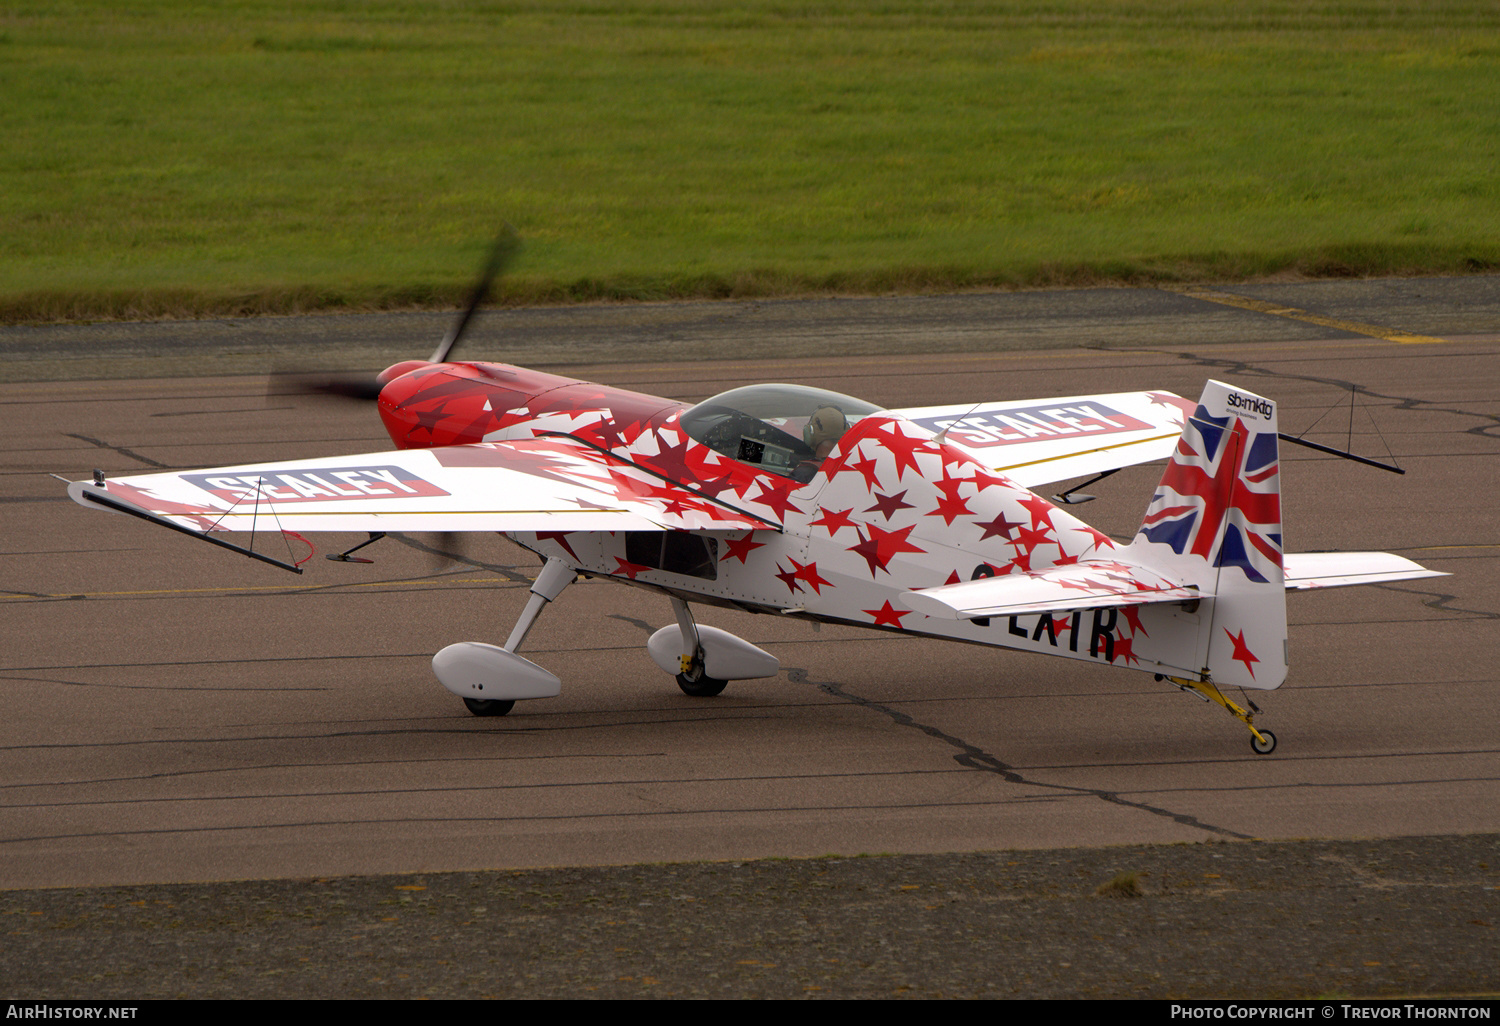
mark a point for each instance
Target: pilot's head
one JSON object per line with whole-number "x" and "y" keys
{"x": 824, "y": 428}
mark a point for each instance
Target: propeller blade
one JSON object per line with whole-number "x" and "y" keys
{"x": 507, "y": 244}
{"x": 345, "y": 385}
{"x": 364, "y": 387}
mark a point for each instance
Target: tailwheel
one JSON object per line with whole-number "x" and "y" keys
{"x": 488, "y": 706}
{"x": 1263, "y": 741}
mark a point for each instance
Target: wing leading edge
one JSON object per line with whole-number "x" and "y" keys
{"x": 546, "y": 484}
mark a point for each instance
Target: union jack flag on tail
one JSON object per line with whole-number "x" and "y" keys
{"x": 1215, "y": 522}
{"x": 1220, "y": 498}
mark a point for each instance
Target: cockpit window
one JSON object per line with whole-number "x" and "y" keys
{"x": 787, "y": 429}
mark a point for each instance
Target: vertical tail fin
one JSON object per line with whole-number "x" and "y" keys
{"x": 1215, "y": 521}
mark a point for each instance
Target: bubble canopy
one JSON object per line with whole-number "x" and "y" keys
{"x": 780, "y": 428}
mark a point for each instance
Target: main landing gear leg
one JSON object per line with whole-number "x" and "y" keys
{"x": 555, "y": 576}
{"x": 475, "y": 671}
{"x": 691, "y": 679}
{"x": 1263, "y": 742}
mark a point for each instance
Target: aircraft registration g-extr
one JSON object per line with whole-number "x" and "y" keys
{"x": 805, "y": 503}
{"x": 801, "y": 502}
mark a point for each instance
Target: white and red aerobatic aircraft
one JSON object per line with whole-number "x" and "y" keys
{"x": 805, "y": 503}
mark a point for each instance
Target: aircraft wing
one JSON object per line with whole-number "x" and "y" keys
{"x": 1088, "y": 585}
{"x": 543, "y": 484}
{"x": 1037, "y": 441}
{"x": 1305, "y": 570}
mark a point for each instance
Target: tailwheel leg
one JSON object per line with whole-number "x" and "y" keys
{"x": 1263, "y": 742}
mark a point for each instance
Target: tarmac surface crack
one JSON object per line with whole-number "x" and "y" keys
{"x": 971, "y": 756}
{"x": 1485, "y": 430}
{"x": 131, "y": 453}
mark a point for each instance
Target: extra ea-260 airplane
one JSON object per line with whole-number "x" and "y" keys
{"x": 802, "y": 502}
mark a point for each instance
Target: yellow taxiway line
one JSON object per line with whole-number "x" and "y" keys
{"x": 1292, "y": 313}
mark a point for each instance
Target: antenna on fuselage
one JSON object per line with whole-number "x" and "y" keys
{"x": 942, "y": 436}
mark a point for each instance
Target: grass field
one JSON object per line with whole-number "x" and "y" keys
{"x": 171, "y": 158}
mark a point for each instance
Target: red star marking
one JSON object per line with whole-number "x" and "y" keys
{"x": 870, "y": 549}
{"x": 882, "y": 546}
{"x": 887, "y": 615}
{"x": 1084, "y": 585}
{"x": 867, "y": 468}
{"x": 949, "y": 486}
{"x": 628, "y": 568}
{"x": 1040, "y": 509}
{"x": 670, "y": 459}
{"x": 144, "y": 497}
{"x": 1061, "y": 623}
{"x": 950, "y": 507}
{"x": 740, "y": 548}
{"x": 999, "y": 526}
{"x": 625, "y": 483}
{"x": 561, "y": 537}
{"x": 835, "y": 521}
{"x": 776, "y": 495}
{"x": 1100, "y": 538}
{"x": 1030, "y": 537}
{"x": 953, "y": 578}
{"x": 1125, "y": 649}
{"x": 1133, "y": 617}
{"x": 1184, "y": 406}
{"x": 984, "y": 479}
{"x": 716, "y": 486}
{"x": 604, "y": 433}
{"x": 888, "y": 504}
{"x": 789, "y": 578}
{"x": 953, "y": 455}
{"x": 1242, "y": 652}
{"x": 903, "y": 449}
{"x": 809, "y": 574}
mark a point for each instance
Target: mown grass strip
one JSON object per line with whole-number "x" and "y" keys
{"x": 181, "y": 158}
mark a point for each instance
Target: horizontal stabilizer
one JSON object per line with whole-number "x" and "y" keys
{"x": 1092, "y": 584}
{"x": 1306, "y": 570}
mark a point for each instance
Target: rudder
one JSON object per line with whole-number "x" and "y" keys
{"x": 1215, "y": 521}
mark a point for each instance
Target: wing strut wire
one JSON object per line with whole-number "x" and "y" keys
{"x": 108, "y": 501}
{"x": 1349, "y": 440}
